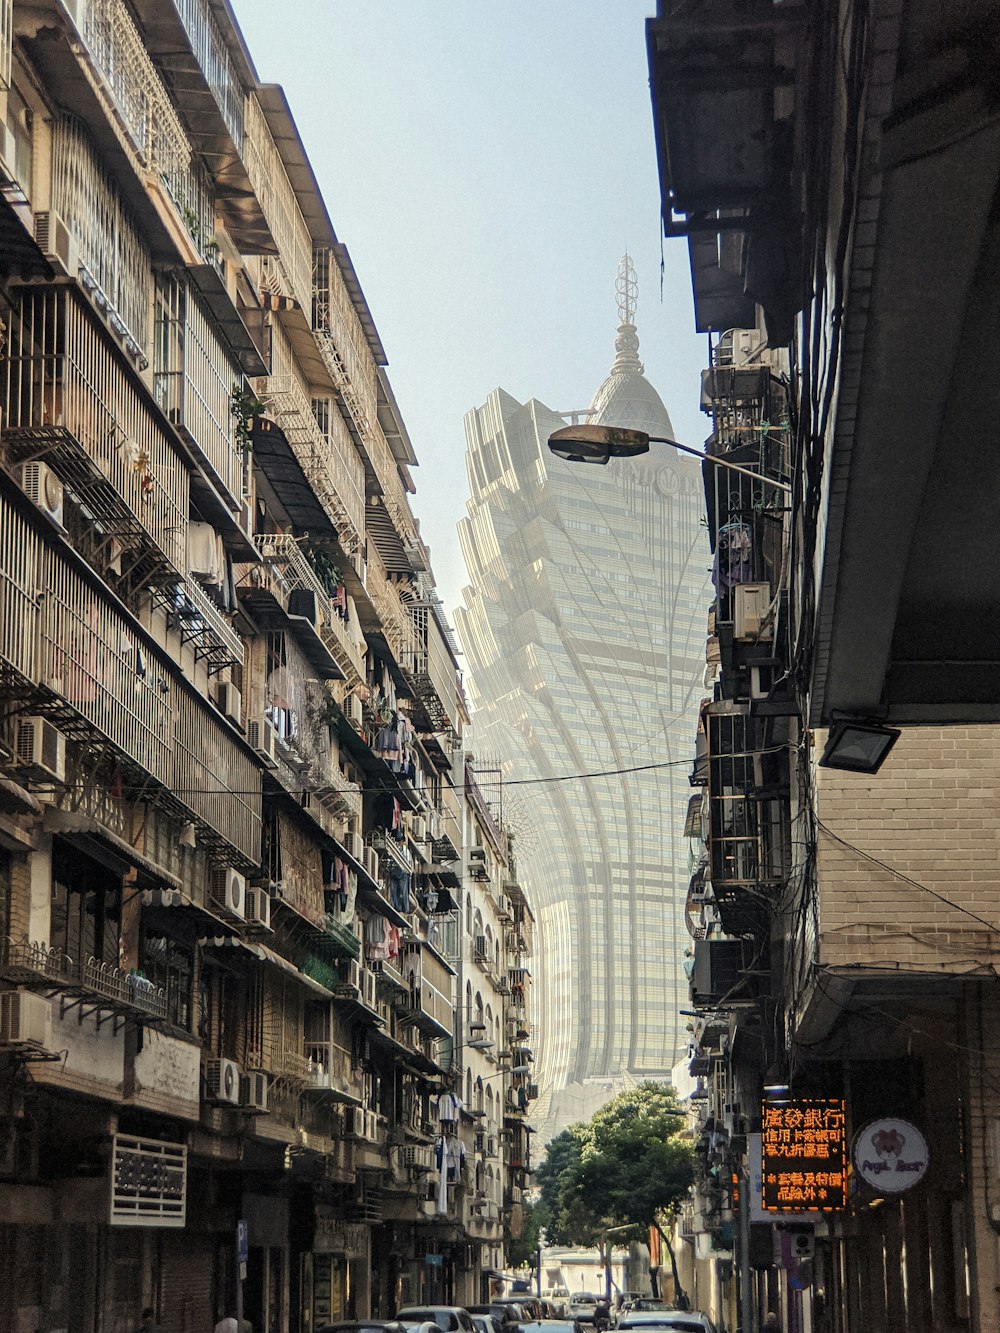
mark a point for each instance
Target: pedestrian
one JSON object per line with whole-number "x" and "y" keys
{"x": 148, "y": 1323}
{"x": 770, "y": 1324}
{"x": 227, "y": 1325}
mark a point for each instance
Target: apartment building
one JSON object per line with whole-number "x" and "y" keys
{"x": 494, "y": 1044}
{"x": 842, "y": 909}
{"x": 231, "y": 770}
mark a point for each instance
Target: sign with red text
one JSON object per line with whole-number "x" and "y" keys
{"x": 891, "y": 1155}
{"x": 804, "y": 1156}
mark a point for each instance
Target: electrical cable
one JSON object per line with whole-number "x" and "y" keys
{"x": 906, "y": 879}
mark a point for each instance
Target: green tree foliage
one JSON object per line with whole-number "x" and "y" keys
{"x": 630, "y": 1165}
{"x": 523, "y": 1249}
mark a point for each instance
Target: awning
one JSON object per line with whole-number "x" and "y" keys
{"x": 99, "y": 843}
{"x": 18, "y": 800}
{"x": 176, "y": 898}
{"x": 265, "y": 955}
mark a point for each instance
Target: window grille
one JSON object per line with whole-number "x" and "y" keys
{"x": 109, "y": 244}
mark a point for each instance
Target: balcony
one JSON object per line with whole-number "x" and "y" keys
{"x": 393, "y": 622}
{"x": 84, "y": 987}
{"x": 292, "y": 574}
{"x": 327, "y": 462}
{"x": 193, "y": 384}
{"x": 331, "y": 1071}
{"x": 748, "y": 783}
{"x": 340, "y": 797}
{"x": 69, "y": 401}
{"x": 209, "y": 77}
{"x": 426, "y": 1008}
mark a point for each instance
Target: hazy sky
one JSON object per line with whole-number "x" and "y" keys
{"x": 487, "y": 165}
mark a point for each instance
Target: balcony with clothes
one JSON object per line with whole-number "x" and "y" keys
{"x": 296, "y": 588}
{"x": 313, "y": 894}
{"x": 427, "y": 1004}
{"x": 748, "y": 832}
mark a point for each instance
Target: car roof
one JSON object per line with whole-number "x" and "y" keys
{"x": 664, "y": 1319}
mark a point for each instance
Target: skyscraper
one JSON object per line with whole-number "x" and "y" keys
{"x": 584, "y": 629}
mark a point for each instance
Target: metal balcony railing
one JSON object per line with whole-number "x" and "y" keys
{"x": 31, "y": 963}
{"x": 284, "y": 550}
{"x": 329, "y": 462}
{"x": 119, "y": 52}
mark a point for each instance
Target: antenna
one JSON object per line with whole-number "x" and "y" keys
{"x": 626, "y": 290}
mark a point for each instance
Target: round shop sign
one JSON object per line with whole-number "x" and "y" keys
{"x": 890, "y": 1155}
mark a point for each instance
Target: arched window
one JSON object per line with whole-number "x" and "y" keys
{"x": 479, "y": 1094}
{"x": 489, "y": 1105}
{"x": 477, "y": 927}
{"x": 468, "y": 1088}
{"x": 468, "y": 913}
{"x": 479, "y": 1014}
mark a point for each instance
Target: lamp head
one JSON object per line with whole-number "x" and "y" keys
{"x": 597, "y": 444}
{"x": 859, "y": 747}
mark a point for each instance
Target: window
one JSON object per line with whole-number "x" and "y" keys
{"x": 86, "y": 908}
{"x": 19, "y": 123}
{"x": 168, "y": 963}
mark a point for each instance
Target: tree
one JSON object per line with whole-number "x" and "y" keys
{"x": 629, "y": 1165}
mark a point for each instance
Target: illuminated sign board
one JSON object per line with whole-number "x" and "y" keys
{"x": 804, "y": 1156}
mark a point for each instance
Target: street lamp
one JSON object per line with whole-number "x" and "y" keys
{"x": 599, "y": 444}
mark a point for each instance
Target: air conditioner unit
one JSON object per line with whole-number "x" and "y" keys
{"x": 56, "y": 243}
{"x": 303, "y": 604}
{"x": 255, "y": 1091}
{"x": 477, "y": 854}
{"x": 222, "y": 1081}
{"x": 25, "y": 1020}
{"x": 360, "y": 1123}
{"x": 229, "y": 700}
{"x": 750, "y": 605}
{"x": 353, "y": 710}
{"x": 264, "y": 739}
{"x": 718, "y": 974}
{"x": 233, "y": 893}
{"x": 368, "y": 987}
{"x": 41, "y": 485}
{"x": 371, "y": 862}
{"x": 258, "y": 908}
{"x": 479, "y": 948}
{"x": 354, "y": 846}
{"x": 417, "y": 1157}
{"x": 40, "y": 749}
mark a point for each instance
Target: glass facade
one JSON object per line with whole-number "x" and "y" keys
{"x": 584, "y": 628}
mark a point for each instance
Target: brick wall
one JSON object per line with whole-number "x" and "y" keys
{"x": 932, "y": 814}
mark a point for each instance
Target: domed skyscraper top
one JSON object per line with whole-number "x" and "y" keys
{"x": 626, "y": 398}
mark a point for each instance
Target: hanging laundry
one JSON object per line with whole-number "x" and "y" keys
{"x": 399, "y": 888}
{"x": 448, "y": 1108}
{"x": 733, "y": 562}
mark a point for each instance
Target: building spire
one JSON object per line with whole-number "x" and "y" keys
{"x": 627, "y": 342}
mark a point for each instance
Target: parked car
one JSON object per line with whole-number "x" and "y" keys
{"x": 527, "y": 1306}
{"x": 552, "y": 1326}
{"x": 486, "y": 1323}
{"x": 364, "y": 1326}
{"x": 581, "y": 1307}
{"x": 666, "y": 1321}
{"x": 502, "y": 1319}
{"x": 449, "y": 1318}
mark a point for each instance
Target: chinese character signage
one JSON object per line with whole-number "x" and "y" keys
{"x": 804, "y": 1156}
